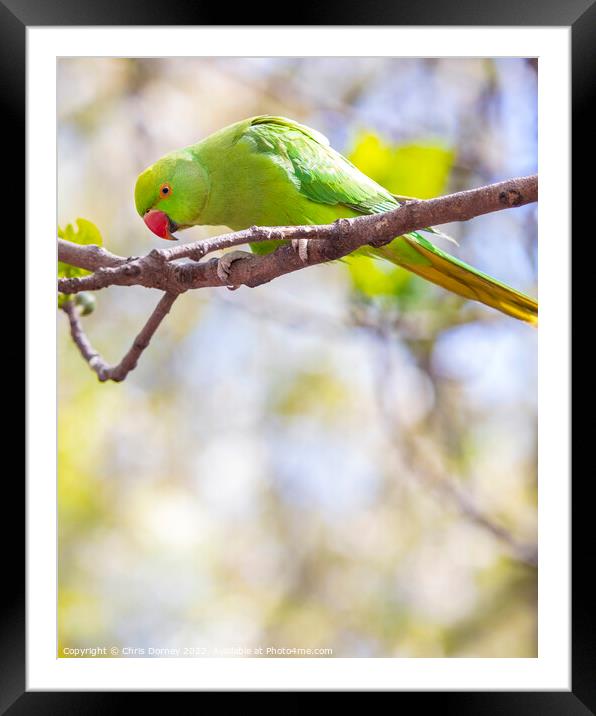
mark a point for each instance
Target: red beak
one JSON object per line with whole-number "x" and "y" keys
{"x": 159, "y": 223}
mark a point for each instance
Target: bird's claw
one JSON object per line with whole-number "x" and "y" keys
{"x": 300, "y": 246}
{"x": 224, "y": 264}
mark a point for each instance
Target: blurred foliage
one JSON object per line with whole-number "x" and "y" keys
{"x": 413, "y": 170}
{"x": 271, "y": 474}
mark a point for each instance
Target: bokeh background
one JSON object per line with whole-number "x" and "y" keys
{"x": 342, "y": 459}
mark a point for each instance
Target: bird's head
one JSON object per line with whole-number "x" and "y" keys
{"x": 170, "y": 194}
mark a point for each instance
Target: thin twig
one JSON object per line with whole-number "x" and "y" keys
{"x": 525, "y": 552}
{"x": 129, "y": 362}
{"x": 426, "y": 473}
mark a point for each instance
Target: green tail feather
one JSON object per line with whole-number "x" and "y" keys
{"x": 418, "y": 255}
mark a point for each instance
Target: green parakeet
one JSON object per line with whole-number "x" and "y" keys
{"x": 272, "y": 171}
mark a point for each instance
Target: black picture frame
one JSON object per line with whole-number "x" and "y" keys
{"x": 580, "y": 16}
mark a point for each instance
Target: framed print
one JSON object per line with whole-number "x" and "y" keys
{"x": 340, "y": 461}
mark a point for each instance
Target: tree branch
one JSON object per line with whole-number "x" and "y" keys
{"x": 162, "y": 269}
{"x": 118, "y": 372}
{"x": 158, "y": 269}
{"x": 87, "y": 257}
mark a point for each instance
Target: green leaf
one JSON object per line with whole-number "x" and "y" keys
{"x": 86, "y": 233}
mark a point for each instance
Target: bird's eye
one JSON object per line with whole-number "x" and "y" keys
{"x": 165, "y": 190}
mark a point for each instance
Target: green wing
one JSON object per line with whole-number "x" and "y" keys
{"x": 325, "y": 176}
{"x": 321, "y": 174}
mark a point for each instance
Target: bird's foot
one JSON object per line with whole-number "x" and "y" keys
{"x": 224, "y": 264}
{"x": 300, "y": 246}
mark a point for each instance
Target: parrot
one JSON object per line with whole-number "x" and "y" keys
{"x": 273, "y": 171}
